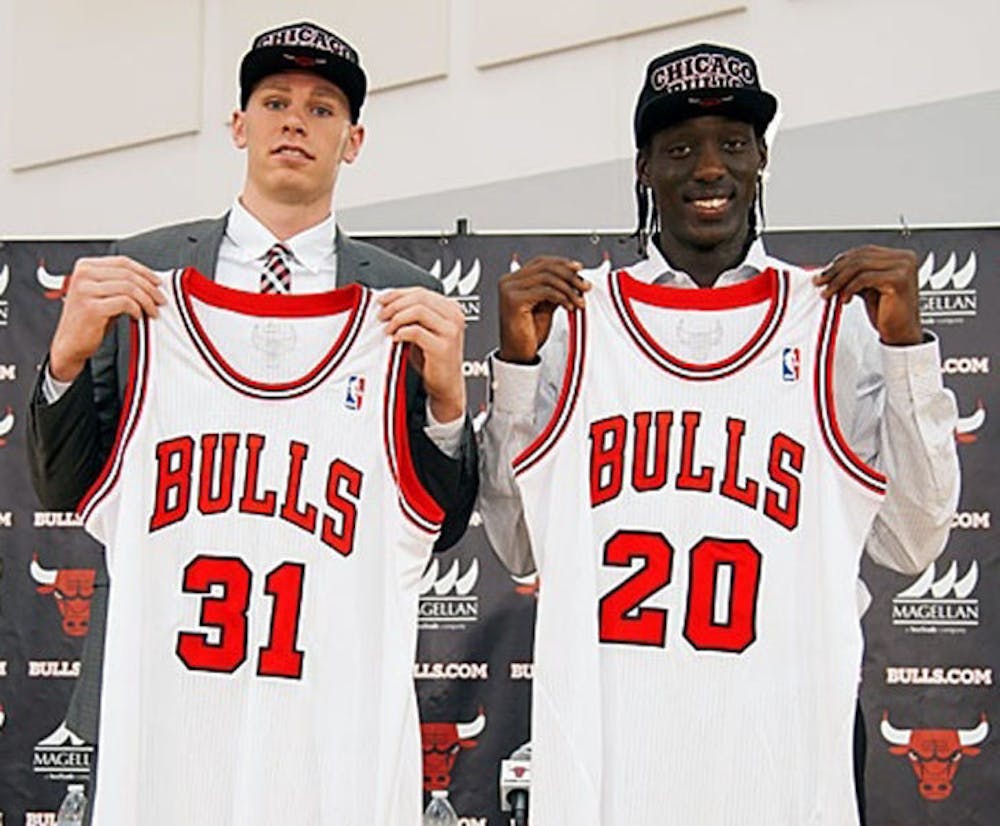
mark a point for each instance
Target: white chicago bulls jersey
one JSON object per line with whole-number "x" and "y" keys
{"x": 265, "y": 535}
{"x": 697, "y": 519}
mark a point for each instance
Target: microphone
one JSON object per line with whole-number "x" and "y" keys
{"x": 515, "y": 783}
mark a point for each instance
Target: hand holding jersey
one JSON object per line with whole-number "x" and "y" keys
{"x": 435, "y": 326}
{"x": 887, "y": 281}
{"x": 98, "y": 291}
{"x": 528, "y": 298}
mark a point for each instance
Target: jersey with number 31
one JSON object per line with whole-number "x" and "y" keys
{"x": 265, "y": 535}
{"x": 697, "y": 519}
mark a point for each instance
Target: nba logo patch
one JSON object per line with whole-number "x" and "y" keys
{"x": 791, "y": 364}
{"x": 355, "y": 392}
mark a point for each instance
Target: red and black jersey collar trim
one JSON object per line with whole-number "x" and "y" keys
{"x": 771, "y": 286}
{"x": 190, "y": 284}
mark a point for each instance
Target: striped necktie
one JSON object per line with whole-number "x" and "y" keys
{"x": 276, "y": 277}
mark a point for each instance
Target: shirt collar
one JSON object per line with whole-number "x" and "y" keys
{"x": 311, "y": 248}
{"x": 655, "y": 267}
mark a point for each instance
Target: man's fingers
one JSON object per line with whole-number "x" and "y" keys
{"x": 545, "y": 294}
{"x": 394, "y": 301}
{"x": 121, "y": 304}
{"x": 109, "y": 266}
{"x": 99, "y": 280}
{"x": 426, "y": 317}
{"x": 146, "y": 297}
{"x": 541, "y": 288}
{"x": 416, "y": 335}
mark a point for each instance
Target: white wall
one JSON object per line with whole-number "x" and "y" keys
{"x": 441, "y": 124}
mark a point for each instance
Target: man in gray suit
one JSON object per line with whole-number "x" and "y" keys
{"x": 302, "y": 88}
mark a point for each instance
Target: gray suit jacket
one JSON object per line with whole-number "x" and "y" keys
{"x": 68, "y": 441}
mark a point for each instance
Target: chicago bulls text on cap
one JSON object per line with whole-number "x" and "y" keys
{"x": 304, "y": 47}
{"x": 704, "y": 79}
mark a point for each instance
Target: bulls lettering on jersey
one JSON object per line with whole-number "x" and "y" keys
{"x": 697, "y": 520}
{"x": 265, "y": 533}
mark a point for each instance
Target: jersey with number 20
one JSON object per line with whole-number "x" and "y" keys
{"x": 697, "y": 519}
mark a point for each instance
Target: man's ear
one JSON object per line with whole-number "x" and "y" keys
{"x": 762, "y": 148}
{"x": 355, "y": 138}
{"x": 642, "y": 167}
{"x": 238, "y": 129}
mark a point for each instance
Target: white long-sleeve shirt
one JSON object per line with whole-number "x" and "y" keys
{"x": 896, "y": 414}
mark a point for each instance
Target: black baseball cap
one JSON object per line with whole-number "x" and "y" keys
{"x": 304, "y": 47}
{"x": 704, "y": 79}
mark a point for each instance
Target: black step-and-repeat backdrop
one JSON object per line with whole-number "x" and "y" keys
{"x": 933, "y": 640}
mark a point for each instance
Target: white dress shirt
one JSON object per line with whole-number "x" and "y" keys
{"x": 891, "y": 402}
{"x": 314, "y": 269}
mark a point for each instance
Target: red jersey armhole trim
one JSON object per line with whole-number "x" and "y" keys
{"x": 418, "y": 504}
{"x": 568, "y": 393}
{"x": 128, "y": 418}
{"x": 826, "y": 347}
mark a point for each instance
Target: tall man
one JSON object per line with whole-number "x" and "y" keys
{"x": 699, "y": 128}
{"x": 301, "y": 92}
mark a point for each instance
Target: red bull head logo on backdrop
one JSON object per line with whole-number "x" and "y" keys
{"x": 934, "y": 754}
{"x": 443, "y": 742}
{"x": 72, "y": 589}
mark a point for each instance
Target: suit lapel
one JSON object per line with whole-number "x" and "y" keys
{"x": 354, "y": 264}
{"x": 205, "y": 248}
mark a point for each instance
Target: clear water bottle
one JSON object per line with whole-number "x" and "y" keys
{"x": 439, "y": 811}
{"x": 73, "y": 806}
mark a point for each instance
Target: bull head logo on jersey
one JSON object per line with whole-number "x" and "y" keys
{"x": 934, "y": 754}
{"x": 442, "y": 743}
{"x": 72, "y": 589}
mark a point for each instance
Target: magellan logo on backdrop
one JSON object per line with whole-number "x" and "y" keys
{"x": 945, "y": 605}
{"x": 461, "y": 287}
{"x": 8, "y": 372}
{"x": 62, "y": 755}
{"x": 945, "y": 294}
{"x": 6, "y": 519}
{"x": 446, "y": 600}
{"x": 3, "y": 668}
{"x": 965, "y": 365}
{"x": 938, "y": 675}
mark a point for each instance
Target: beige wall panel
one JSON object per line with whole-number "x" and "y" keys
{"x": 102, "y": 74}
{"x": 400, "y": 41}
{"x": 509, "y": 30}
